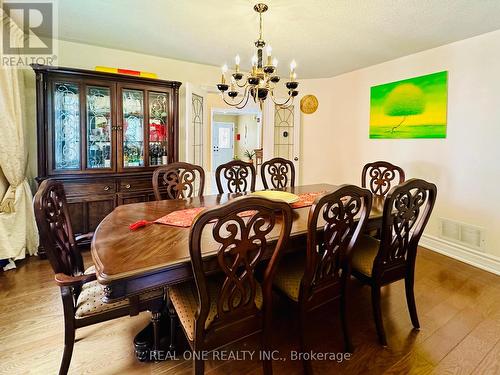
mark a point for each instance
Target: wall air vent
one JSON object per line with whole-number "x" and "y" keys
{"x": 464, "y": 234}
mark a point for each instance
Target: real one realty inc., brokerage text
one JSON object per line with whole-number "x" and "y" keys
{"x": 249, "y": 355}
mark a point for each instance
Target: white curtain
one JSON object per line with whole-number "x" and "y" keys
{"x": 18, "y": 232}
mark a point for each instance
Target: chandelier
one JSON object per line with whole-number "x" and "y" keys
{"x": 260, "y": 82}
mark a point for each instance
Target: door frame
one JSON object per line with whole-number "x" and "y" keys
{"x": 191, "y": 89}
{"x": 268, "y": 134}
{"x": 251, "y": 109}
{"x": 212, "y": 140}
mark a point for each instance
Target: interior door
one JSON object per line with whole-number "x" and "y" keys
{"x": 193, "y": 147}
{"x": 281, "y": 136}
{"x": 222, "y": 143}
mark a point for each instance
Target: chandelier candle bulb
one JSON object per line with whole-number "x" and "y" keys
{"x": 269, "y": 51}
{"x": 293, "y": 65}
{"x": 237, "y": 63}
{"x": 254, "y": 60}
{"x": 223, "y": 77}
{"x": 232, "y": 91}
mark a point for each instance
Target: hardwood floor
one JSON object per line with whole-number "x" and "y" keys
{"x": 458, "y": 305}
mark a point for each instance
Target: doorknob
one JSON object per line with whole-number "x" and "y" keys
{"x": 296, "y": 158}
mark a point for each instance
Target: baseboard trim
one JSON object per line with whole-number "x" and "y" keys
{"x": 475, "y": 258}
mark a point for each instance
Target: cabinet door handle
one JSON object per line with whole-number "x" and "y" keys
{"x": 127, "y": 186}
{"x": 106, "y": 188}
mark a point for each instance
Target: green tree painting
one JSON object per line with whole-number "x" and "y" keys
{"x": 411, "y": 108}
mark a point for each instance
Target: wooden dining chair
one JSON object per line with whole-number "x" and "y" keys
{"x": 380, "y": 176}
{"x": 226, "y": 302}
{"x": 82, "y": 296}
{"x": 277, "y": 173}
{"x": 236, "y": 176}
{"x": 320, "y": 275}
{"x": 178, "y": 180}
{"x": 407, "y": 209}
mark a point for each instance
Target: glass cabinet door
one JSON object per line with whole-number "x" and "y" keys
{"x": 66, "y": 96}
{"x": 99, "y": 137}
{"x": 158, "y": 128}
{"x": 133, "y": 128}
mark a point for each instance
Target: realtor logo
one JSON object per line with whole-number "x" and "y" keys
{"x": 28, "y": 33}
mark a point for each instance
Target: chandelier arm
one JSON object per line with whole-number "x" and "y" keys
{"x": 236, "y": 104}
{"x": 230, "y": 103}
{"x": 243, "y": 85}
{"x": 285, "y": 103}
{"x": 246, "y": 101}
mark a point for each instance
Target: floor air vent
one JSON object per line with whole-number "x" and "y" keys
{"x": 464, "y": 234}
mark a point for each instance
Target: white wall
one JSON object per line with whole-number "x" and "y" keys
{"x": 464, "y": 166}
{"x": 85, "y": 56}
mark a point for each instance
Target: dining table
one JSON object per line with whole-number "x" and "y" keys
{"x": 131, "y": 262}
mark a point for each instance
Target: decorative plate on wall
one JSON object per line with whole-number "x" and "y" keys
{"x": 309, "y": 104}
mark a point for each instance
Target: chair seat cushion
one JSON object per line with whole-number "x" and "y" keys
{"x": 289, "y": 275}
{"x": 364, "y": 253}
{"x": 184, "y": 297}
{"x": 90, "y": 301}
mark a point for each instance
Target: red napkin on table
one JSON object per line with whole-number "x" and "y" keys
{"x": 181, "y": 218}
{"x": 306, "y": 199}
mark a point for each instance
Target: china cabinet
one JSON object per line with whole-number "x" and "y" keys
{"x": 102, "y": 135}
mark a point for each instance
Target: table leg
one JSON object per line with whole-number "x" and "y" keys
{"x": 172, "y": 314}
{"x": 155, "y": 342}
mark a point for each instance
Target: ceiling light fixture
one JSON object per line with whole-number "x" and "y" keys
{"x": 261, "y": 81}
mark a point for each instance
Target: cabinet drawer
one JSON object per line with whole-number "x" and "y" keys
{"x": 87, "y": 188}
{"x": 131, "y": 184}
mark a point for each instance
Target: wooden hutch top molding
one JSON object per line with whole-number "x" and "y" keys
{"x": 83, "y": 73}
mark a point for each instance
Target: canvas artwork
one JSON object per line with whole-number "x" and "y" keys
{"x": 411, "y": 108}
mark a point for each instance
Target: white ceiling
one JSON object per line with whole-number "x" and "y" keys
{"x": 326, "y": 37}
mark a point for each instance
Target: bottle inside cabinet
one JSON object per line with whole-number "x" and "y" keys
{"x": 133, "y": 128}
{"x": 98, "y": 127}
{"x": 158, "y": 120}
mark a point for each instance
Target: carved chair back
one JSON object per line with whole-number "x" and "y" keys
{"x": 178, "y": 180}
{"x": 342, "y": 214}
{"x": 281, "y": 173}
{"x": 379, "y": 177}
{"x": 54, "y": 226}
{"x": 244, "y": 229}
{"x": 407, "y": 209}
{"x": 235, "y": 176}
